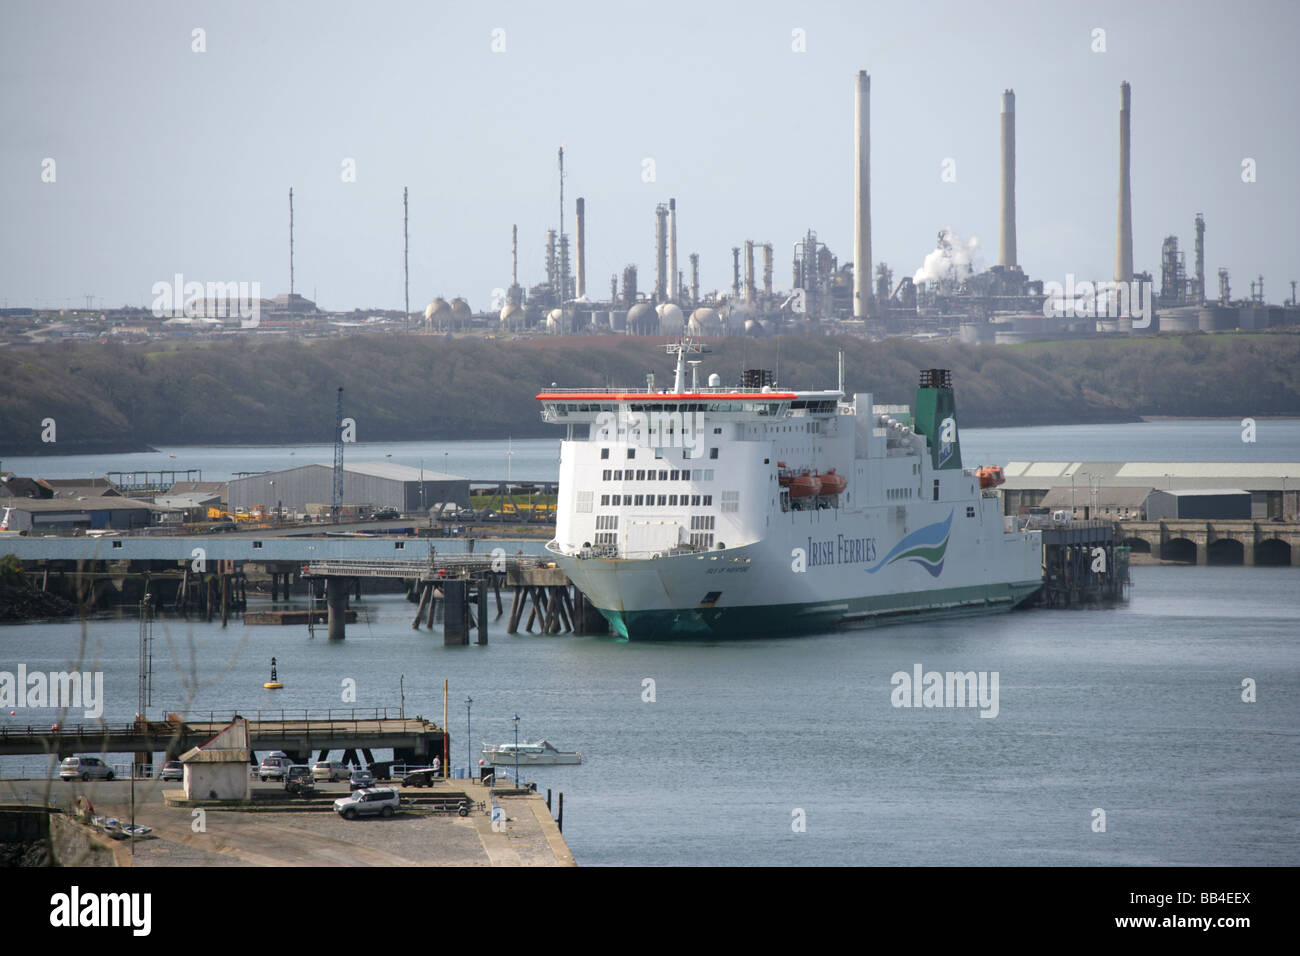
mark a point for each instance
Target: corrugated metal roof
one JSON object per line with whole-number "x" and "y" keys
{"x": 1201, "y": 492}
{"x": 1253, "y": 476}
{"x": 98, "y": 503}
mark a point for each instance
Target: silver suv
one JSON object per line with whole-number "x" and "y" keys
{"x": 85, "y": 768}
{"x": 274, "y": 767}
{"x": 368, "y": 803}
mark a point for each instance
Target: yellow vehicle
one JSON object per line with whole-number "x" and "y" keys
{"x": 216, "y": 514}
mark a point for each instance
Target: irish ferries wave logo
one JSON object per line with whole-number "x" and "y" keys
{"x": 926, "y": 546}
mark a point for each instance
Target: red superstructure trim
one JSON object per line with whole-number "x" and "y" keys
{"x": 671, "y": 397}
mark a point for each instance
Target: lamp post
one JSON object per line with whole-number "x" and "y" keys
{"x": 469, "y": 748}
{"x": 516, "y": 719}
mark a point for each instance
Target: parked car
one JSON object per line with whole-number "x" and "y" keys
{"x": 386, "y": 514}
{"x": 421, "y": 778}
{"x": 298, "y": 779}
{"x": 173, "y": 770}
{"x": 330, "y": 770}
{"x": 368, "y": 803}
{"x": 274, "y": 767}
{"x": 85, "y": 767}
{"x": 361, "y": 779}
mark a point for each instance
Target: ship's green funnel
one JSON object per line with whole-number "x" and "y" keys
{"x": 936, "y": 418}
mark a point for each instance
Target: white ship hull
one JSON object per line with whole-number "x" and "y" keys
{"x": 822, "y": 569}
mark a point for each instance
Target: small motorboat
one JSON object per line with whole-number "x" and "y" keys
{"x": 538, "y": 754}
{"x": 833, "y": 483}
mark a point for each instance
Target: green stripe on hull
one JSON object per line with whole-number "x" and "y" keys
{"x": 787, "y": 619}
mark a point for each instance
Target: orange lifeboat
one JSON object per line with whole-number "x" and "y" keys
{"x": 833, "y": 483}
{"x": 806, "y": 485}
{"x": 990, "y": 476}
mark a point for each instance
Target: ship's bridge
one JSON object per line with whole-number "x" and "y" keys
{"x": 583, "y": 406}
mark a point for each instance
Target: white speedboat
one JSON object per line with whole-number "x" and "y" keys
{"x": 540, "y": 753}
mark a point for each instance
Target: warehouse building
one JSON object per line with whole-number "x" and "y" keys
{"x": 1273, "y": 486}
{"x": 63, "y": 514}
{"x": 1208, "y": 504}
{"x": 366, "y": 486}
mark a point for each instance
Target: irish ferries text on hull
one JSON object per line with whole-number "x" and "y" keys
{"x": 754, "y": 510}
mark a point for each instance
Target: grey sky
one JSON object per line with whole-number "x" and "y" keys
{"x": 174, "y": 161}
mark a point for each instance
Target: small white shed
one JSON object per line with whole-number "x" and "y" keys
{"x": 218, "y": 769}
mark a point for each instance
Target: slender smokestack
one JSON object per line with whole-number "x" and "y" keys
{"x": 735, "y": 271}
{"x": 582, "y": 252}
{"x": 767, "y": 268}
{"x": 862, "y": 305}
{"x": 674, "y": 289}
{"x": 661, "y": 253}
{"x": 1200, "y": 259}
{"x": 1124, "y": 235}
{"x": 695, "y": 278}
{"x": 749, "y": 270}
{"x": 1007, "y": 247}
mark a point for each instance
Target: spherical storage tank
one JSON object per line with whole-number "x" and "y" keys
{"x": 512, "y": 315}
{"x": 754, "y": 327}
{"x": 705, "y": 321}
{"x": 460, "y": 310}
{"x": 437, "y": 311}
{"x": 671, "y": 321}
{"x": 642, "y": 320}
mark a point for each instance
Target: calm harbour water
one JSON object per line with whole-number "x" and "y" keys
{"x": 1136, "y": 710}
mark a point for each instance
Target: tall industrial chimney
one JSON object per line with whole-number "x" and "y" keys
{"x": 735, "y": 271}
{"x": 767, "y": 268}
{"x": 749, "y": 270}
{"x": 695, "y": 279}
{"x": 862, "y": 306}
{"x": 1007, "y": 245}
{"x": 1200, "y": 259}
{"x": 582, "y": 251}
{"x": 673, "y": 283}
{"x": 661, "y": 253}
{"x": 1124, "y": 234}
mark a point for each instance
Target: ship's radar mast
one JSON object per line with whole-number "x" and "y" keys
{"x": 680, "y": 349}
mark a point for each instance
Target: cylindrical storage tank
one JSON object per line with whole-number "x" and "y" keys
{"x": 618, "y": 320}
{"x": 1180, "y": 319}
{"x": 671, "y": 321}
{"x": 1215, "y": 318}
{"x": 642, "y": 320}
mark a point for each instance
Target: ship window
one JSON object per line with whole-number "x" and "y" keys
{"x": 730, "y": 501}
{"x": 605, "y": 475}
{"x": 936, "y": 489}
{"x": 695, "y": 500}
{"x": 604, "y": 453}
{"x": 674, "y": 475}
{"x": 663, "y": 500}
{"x": 708, "y": 499}
{"x": 640, "y": 474}
{"x": 970, "y": 512}
{"x": 616, "y": 500}
{"x": 618, "y": 476}
{"x": 584, "y": 501}
{"x": 631, "y": 453}
{"x": 713, "y": 453}
{"x": 663, "y": 476}
{"x": 604, "y": 500}
{"x": 640, "y": 500}
{"x": 717, "y": 431}
{"x": 708, "y": 474}
{"x": 672, "y": 501}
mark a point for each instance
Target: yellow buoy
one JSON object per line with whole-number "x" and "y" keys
{"x": 273, "y": 684}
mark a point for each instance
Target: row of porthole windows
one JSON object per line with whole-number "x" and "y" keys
{"x": 631, "y": 453}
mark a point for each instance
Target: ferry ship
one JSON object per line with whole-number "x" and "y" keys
{"x": 743, "y": 511}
